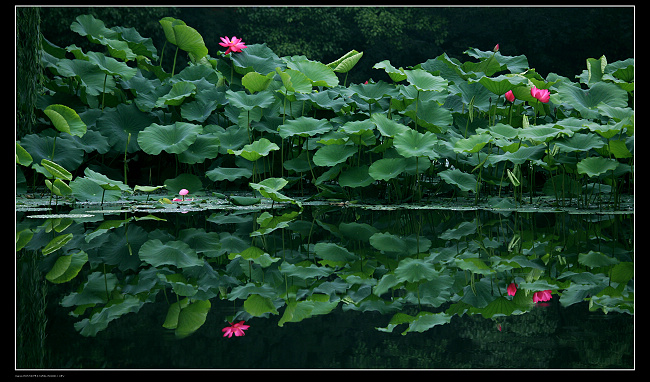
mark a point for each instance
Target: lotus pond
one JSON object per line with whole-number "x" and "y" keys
{"x": 256, "y": 211}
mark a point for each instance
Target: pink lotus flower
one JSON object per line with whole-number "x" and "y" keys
{"x": 541, "y": 94}
{"x": 543, "y": 295}
{"x": 512, "y": 289}
{"x": 182, "y": 193}
{"x": 510, "y": 96}
{"x": 236, "y": 329}
{"x": 496, "y": 48}
{"x": 234, "y": 45}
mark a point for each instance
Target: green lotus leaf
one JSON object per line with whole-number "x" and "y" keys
{"x": 464, "y": 181}
{"x": 56, "y": 170}
{"x": 424, "y": 321}
{"x": 93, "y": 80}
{"x": 58, "y": 187}
{"x": 179, "y": 91}
{"x": 475, "y": 94}
{"x": 387, "y": 242}
{"x": 596, "y": 259}
{"x": 233, "y": 138}
{"x": 387, "y": 127}
{"x": 595, "y": 166}
{"x": 111, "y": 66}
{"x": 22, "y": 156}
{"x": 302, "y": 272}
{"x": 104, "y": 182}
{"x": 242, "y": 100}
{"x": 474, "y": 265}
{"x": 176, "y": 253}
{"x": 94, "y": 29}
{"x": 395, "y": 74}
{"x": 502, "y": 131}
{"x": 67, "y": 152}
{"x": 330, "y": 155}
{"x": 326, "y": 99}
{"x": 346, "y": 62}
{"x": 229, "y": 174}
{"x": 254, "y": 151}
{"x": 255, "y": 82}
{"x": 500, "y": 85}
{"x": 430, "y": 115}
{"x": 579, "y": 142}
{"x": 413, "y": 270}
{"x": 167, "y": 24}
{"x": 304, "y": 127}
{"x": 67, "y": 267}
{"x": 357, "y": 127}
{"x": 520, "y": 156}
{"x": 541, "y": 133}
{"x": 374, "y": 92}
{"x": 206, "y": 146}
{"x": 318, "y": 73}
{"x": 244, "y": 200}
{"x": 269, "y": 188}
{"x": 256, "y": 305}
{"x": 173, "y": 139}
{"x": 85, "y": 189}
{"x": 189, "y": 40}
{"x": 425, "y": 81}
{"x": 197, "y": 110}
{"x": 355, "y": 177}
{"x": 191, "y": 317}
{"x": 587, "y": 101}
{"x": 295, "y": 81}
{"x": 472, "y": 144}
{"x": 257, "y": 58}
{"x": 66, "y": 120}
{"x": 387, "y": 168}
{"x": 56, "y": 243}
{"x": 414, "y": 144}
{"x": 117, "y": 123}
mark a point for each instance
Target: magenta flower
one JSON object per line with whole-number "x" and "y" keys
{"x": 543, "y": 295}
{"x": 182, "y": 193}
{"x": 541, "y": 94}
{"x": 496, "y": 48}
{"x": 512, "y": 289}
{"x": 236, "y": 329}
{"x": 234, "y": 45}
{"x": 510, "y": 96}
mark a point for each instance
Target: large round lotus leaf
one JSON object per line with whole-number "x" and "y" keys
{"x": 387, "y": 168}
{"x": 330, "y": 155}
{"x": 176, "y": 253}
{"x": 304, "y": 127}
{"x": 466, "y": 182}
{"x": 326, "y": 99}
{"x": 587, "y": 101}
{"x": 520, "y": 156}
{"x": 91, "y": 77}
{"x": 230, "y": 174}
{"x": 474, "y": 93}
{"x": 425, "y": 81}
{"x": 355, "y": 177}
{"x": 387, "y": 127}
{"x": 374, "y": 92}
{"x": 387, "y": 242}
{"x": 190, "y": 182}
{"x": 256, "y": 58}
{"x": 85, "y": 189}
{"x": 231, "y": 138}
{"x": 430, "y": 115}
{"x": 111, "y": 66}
{"x": 500, "y": 85}
{"x": 580, "y": 142}
{"x": 243, "y": 100}
{"x": 357, "y": 127}
{"x": 117, "y": 123}
{"x": 414, "y": 144}
{"x": 540, "y": 133}
{"x": 255, "y": 82}
{"x": 67, "y": 152}
{"x": 254, "y": 151}
{"x": 206, "y": 146}
{"x": 66, "y": 120}
{"x": 413, "y": 270}
{"x": 318, "y": 73}
{"x": 594, "y": 166}
{"x": 94, "y": 29}
{"x": 333, "y": 252}
{"x": 503, "y": 131}
{"x": 173, "y": 139}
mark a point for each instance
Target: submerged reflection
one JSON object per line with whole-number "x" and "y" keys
{"x": 406, "y": 270}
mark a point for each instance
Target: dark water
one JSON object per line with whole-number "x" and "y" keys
{"x": 577, "y": 255}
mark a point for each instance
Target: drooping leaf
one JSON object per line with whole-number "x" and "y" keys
{"x": 67, "y": 267}
{"x": 256, "y": 150}
{"x": 319, "y": 74}
{"x": 595, "y": 166}
{"x": 295, "y": 81}
{"x": 464, "y": 181}
{"x": 304, "y": 127}
{"x": 66, "y": 120}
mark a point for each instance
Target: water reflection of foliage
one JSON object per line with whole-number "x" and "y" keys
{"x": 294, "y": 266}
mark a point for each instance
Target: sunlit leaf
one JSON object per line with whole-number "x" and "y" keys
{"x": 319, "y": 74}
{"x": 256, "y": 150}
{"x": 66, "y": 120}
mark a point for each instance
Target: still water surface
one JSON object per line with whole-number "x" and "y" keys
{"x": 325, "y": 286}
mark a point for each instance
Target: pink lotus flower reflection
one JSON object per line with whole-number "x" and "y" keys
{"x": 543, "y": 295}
{"x": 236, "y": 329}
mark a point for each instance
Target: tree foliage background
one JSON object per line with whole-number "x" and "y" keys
{"x": 554, "y": 39}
